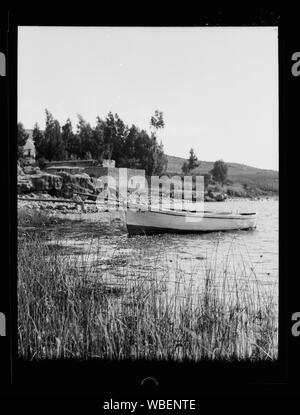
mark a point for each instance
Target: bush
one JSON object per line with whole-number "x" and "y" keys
{"x": 42, "y": 162}
{"x": 207, "y": 179}
{"x": 215, "y": 188}
{"x": 219, "y": 171}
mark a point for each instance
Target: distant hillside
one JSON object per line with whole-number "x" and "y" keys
{"x": 238, "y": 173}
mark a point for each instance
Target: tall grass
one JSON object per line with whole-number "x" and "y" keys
{"x": 36, "y": 218}
{"x": 66, "y": 311}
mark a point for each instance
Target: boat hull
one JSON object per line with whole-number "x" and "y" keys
{"x": 149, "y": 222}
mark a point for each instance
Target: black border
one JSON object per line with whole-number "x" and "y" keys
{"x": 118, "y": 378}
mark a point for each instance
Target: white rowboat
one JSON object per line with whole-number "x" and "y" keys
{"x": 158, "y": 221}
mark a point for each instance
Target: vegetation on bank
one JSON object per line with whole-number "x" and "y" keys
{"x": 66, "y": 311}
{"x": 34, "y": 218}
{"x": 232, "y": 179}
{"x": 218, "y": 174}
{"x": 134, "y": 148}
{"x": 111, "y": 138}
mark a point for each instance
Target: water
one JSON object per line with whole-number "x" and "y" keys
{"x": 239, "y": 257}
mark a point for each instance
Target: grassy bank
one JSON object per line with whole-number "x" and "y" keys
{"x": 36, "y": 218}
{"x": 66, "y": 311}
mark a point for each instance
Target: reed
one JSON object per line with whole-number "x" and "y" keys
{"x": 66, "y": 310}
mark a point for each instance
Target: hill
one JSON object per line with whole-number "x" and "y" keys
{"x": 242, "y": 174}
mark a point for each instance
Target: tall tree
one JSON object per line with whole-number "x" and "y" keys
{"x": 157, "y": 120}
{"x": 115, "y": 133}
{"x": 110, "y": 138}
{"x": 39, "y": 141}
{"x": 108, "y": 135}
{"x": 54, "y": 145}
{"x": 129, "y": 157}
{"x": 21, "y": 139}
{"x": 185, "y": 167}
{"x": 69, "y": 140}
{"x": 219, "y": 171}
{"x": 159, "y": 158}
{"x": 98, "y": 138}
{"x": 86, "y": 138}
{"x": 191, "y": 163}
{"x": 193, "y": 160}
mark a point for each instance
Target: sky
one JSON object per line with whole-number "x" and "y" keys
{"x": 217, "y": 86}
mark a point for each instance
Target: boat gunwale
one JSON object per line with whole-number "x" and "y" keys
{"x": 217, "y": 215}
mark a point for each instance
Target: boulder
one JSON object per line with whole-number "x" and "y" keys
{"x": 46, "y": 182}
{"x": 38, "y": 182}
{"x": 78, "y": 183}
{"x": 210, "y": 196}
{"x": 207, "y": 198}
{"x": 61, "y": 184}
{"x": 221, "y": 197}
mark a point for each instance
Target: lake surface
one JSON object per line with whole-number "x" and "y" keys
{"x": 242, "y": 258}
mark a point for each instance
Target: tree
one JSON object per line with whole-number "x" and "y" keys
{"x": 54, "y": 148}
{"x": 185, "y": 167}
{"x": 130, "y": 157}
{"x": 42, "y": 162}
{"x": 98, "y": 139}
{"x": 191, "y": 163}
{"x": 207, "y": 179}
{"x": 219, "y": 171}
{"x": 85, "y": 137}
{"x": 69, "y": 140}
{"x": 157, "y": 120}
{"x": 39, "y": 141}
{"x": 159, "y": 159}
{"x": 119, "y": 138}
{"x": 143, "y": 152}
{"x": 115, "y": 132}
{"x": 22, "y": 138}
{"x": 110, "y": 138}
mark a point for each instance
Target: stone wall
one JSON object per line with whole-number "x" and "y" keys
{"x": 76, "y": 163}
{"x": 111, "y": 174}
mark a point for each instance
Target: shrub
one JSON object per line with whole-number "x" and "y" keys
{"x": 42, "y": 162}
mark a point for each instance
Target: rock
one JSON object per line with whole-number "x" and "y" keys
{"x": 81, "y": 183}
{"x": 38, "y": 182}
{"x": 210, "y": 196}
{"x": 60, "y": 185}
{"x": 46, "y": 182}
{"x": 36, "y": 170}
{"x": 31, "y": 170}
{"x": 221, "y": 197}
{"x": 20, "y": 171}
{"x": 24, "y": 184}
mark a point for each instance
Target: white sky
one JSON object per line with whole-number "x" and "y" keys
{"x": 217, "y": 87}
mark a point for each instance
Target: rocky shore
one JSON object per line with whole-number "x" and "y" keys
{"x": 63, "y": 192}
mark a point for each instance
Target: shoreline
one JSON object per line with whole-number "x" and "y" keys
{"x": 45, "y": 197}
{"x": 93, "y": 213}
{"x": 253, "y": 199}
{"x": 124, "y": 296}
